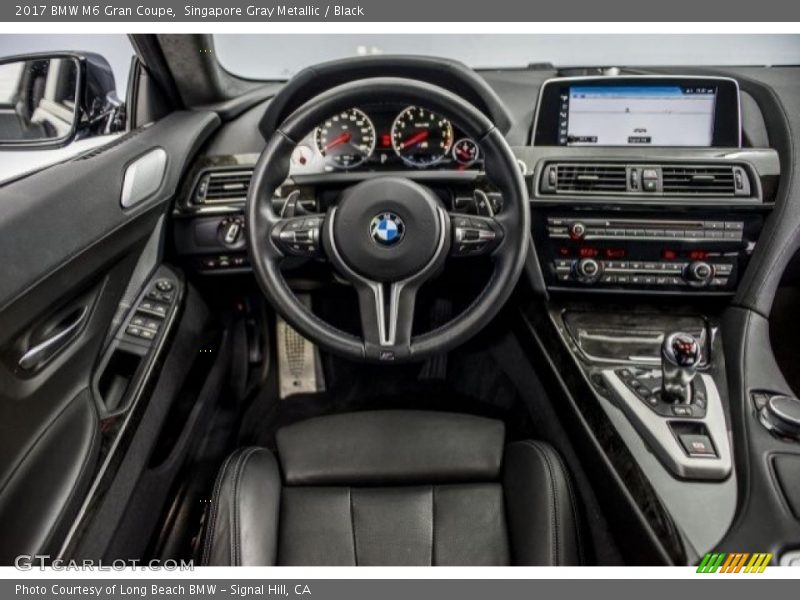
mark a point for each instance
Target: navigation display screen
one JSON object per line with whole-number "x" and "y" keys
{"x": 640, "y": 115}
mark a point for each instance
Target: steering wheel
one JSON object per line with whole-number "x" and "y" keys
{"x": 388, "y": 235}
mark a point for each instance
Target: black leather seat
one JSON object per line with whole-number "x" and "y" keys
{"x": 393, "y": 488}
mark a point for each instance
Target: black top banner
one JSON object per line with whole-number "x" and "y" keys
{"x": 402, "y": 11}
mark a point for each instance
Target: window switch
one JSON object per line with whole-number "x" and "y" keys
{"x": 697, "y": 445}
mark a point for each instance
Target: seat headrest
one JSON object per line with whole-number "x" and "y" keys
{"x": 393, "y": 447}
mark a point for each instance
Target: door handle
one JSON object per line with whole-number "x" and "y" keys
{"x": 51, "y": 345}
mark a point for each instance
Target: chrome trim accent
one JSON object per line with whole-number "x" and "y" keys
{"x": 143, "y": 177}
{"x": 41, "y": 351}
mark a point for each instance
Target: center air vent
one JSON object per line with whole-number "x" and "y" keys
{"x": 634, "y": 179}
{"x": 698, "y": 181}
{"x": 590, "y": 178}
{"x": 221, "y": 187}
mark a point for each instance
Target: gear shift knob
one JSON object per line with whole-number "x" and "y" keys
{"x": 680, "y": 355}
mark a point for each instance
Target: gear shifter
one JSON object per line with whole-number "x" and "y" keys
{"x": 680, "y": 355}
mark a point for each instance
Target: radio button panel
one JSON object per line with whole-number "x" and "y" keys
{"x": 594, "y": 229}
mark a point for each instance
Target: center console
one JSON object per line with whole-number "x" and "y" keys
{"x": 658, "y": 369}
{"x": 641, "y": 185}
{"x": 647, "y": 207}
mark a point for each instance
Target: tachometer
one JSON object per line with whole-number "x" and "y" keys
{"x": 421, "y": 137}
{"x": 346, "y": 139}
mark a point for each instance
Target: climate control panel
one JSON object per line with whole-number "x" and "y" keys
{"x": 694, "y": 274}
{"x": 631, "y": 252}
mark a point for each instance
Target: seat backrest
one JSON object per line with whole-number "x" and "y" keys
{"x": 391, "y": 448}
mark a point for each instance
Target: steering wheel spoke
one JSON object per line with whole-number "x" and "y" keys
{"x": 387, "y": 317}
{"x": 474, "y": 236}
{"x": 300, "y": 236}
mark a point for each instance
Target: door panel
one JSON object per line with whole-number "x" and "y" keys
{"x": 70, "y": 250}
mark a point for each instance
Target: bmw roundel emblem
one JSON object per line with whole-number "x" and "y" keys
{"x": 387, "y": 229}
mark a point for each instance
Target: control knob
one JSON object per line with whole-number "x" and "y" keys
{"x": 231, "y": 232}
{"x": 698, "y": 273}
{"x": 781, "y": 414}
{"x": 587, "y": 270}
{"x": 577, "y": 230}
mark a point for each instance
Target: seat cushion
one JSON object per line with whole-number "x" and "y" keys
{"x": 411, "y": 525}
{"x": 344, "y": 499}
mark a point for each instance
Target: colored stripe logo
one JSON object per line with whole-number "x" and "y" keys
{"x": 734, "y": 562}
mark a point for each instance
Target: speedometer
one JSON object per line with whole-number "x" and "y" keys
{"x": 421, "y": 137}
{"x": 346, "y": 139}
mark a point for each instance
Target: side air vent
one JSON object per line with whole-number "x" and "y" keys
{"x": 222, "y": 187}
{"x": 633, "y": 179}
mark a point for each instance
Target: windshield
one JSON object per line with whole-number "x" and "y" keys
{"x": 277, "y": 57}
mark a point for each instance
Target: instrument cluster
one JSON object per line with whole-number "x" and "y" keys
{"x": 385, "y": 137}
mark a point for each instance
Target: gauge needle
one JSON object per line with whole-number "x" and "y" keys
{"x": 416, "y": 138}
{"x": 341, "y": 139}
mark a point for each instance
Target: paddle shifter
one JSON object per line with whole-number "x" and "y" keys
{"x": 680, "y": 355}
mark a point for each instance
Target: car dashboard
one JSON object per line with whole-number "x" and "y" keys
{"x": 649, "y": 197}
{"x": 645, "y": 184}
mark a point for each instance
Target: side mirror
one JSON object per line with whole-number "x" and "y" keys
{"x": 48, "y": 100}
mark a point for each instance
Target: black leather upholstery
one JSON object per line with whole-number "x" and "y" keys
{"x": 391, "y": 447}
{"x": 394, "y": 488}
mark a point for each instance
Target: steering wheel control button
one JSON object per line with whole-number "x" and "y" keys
{"x": 387, "y": 229}
{"x": 299, "y": 236}
{"x": 474, "y": 236}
